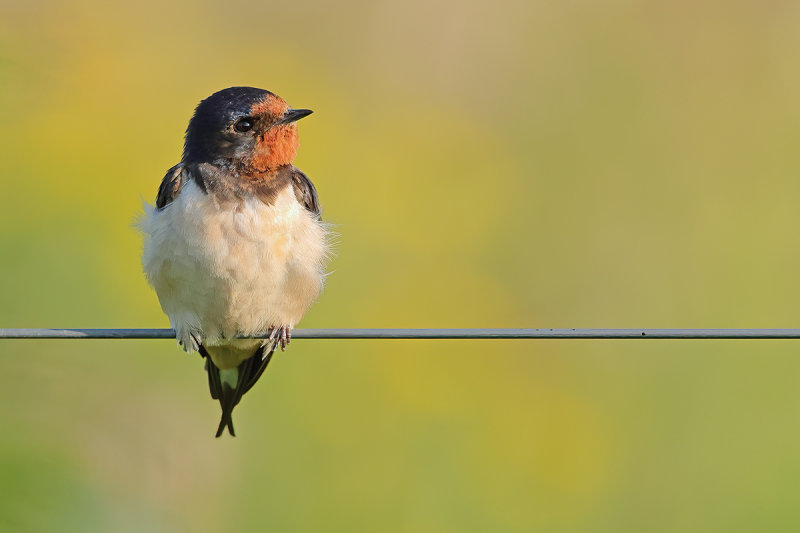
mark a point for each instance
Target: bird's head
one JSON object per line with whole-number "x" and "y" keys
{"x": 253, "y": 128}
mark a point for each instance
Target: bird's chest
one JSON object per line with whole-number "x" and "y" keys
{"x": 248, "y": 240}
{"x": 238, "y": 266}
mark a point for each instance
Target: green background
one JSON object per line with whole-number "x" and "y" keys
{"x": 486, "y": 164}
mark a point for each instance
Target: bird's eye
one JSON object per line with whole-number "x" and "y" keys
{"x": 243, "y": 124}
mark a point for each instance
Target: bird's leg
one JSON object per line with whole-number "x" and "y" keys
{"x": 286, "y": 337}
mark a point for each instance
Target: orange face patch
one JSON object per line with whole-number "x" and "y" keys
{"x": 275, "y": 148}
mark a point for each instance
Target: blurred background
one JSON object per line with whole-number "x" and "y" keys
{"x": 487, "y": 164}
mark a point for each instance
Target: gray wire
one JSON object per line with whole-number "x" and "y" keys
{"x": 435, "y": 333}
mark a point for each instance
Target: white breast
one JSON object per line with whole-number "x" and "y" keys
{"x": 222, "y": 269}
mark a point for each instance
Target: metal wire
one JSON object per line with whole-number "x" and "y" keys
{"x": 384, "y": 333}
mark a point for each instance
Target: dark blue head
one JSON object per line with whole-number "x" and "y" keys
{"x": 211, "y": 133}
{"x": 238, "y": 123}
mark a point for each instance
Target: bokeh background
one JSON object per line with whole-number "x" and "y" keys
{"x": 609, "y": 163}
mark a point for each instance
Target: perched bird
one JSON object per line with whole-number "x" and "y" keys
{"x": 235, "y": 245}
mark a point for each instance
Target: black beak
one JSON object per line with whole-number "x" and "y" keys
{"x": 293, "y": 115}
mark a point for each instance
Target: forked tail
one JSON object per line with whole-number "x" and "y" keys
{"x": 247, "y": 374}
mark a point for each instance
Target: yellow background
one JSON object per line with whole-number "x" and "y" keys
{"x": 487, "y": 164}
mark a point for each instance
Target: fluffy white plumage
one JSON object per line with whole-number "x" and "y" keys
{"x": 227, "y": 268}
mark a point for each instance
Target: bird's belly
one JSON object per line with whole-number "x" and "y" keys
{"x": 226, "y": 269}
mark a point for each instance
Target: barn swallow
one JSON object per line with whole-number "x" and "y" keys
{"x": 235, "y": 245}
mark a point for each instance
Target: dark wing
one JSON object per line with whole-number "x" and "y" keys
{"x": 305, "y": 192}
{"x": 171, "y": 185}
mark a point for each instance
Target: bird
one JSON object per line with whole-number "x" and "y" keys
{"x": 235, "y": 245}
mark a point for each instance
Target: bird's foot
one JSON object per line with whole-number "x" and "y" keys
{"x": 282, "y": 335}
{"x": 189, "y": 342}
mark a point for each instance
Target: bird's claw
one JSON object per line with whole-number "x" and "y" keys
{"x": 282, "y": 336}
{"x": 189, "y": 342}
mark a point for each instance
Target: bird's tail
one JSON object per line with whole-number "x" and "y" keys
{"x": 228, "y": 401}
{"x": 246, "y": 375}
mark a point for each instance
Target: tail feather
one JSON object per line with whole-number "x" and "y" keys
{"x": 222, "y": 424}
{"x": 249, "y": 371}
{"x": 227, "y": 402}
